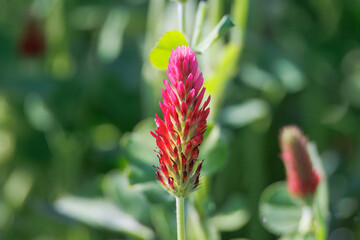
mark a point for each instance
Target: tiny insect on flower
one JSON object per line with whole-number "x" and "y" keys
{"x": 180, "y": 134}
{"x": 302, "y": 178}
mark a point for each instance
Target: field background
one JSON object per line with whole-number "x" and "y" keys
{"x": 75, "y": 148}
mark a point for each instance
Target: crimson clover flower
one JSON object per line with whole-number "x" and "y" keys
{"x": 180, "y": 134}
{"x": 302, "y": 178}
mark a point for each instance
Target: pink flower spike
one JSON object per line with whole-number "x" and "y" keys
{"x": 302, "y": 178}
{"x": 180, "y": 134}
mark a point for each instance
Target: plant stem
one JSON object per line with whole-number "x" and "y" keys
{"x": 181, "y": 16}
{"x": 306, "y": 220}
{"x": 180, "y": 219}
{"x": 199, "y": 21}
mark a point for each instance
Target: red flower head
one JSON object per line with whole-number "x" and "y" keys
{"x": 302, "y": 179}
{"x": 179, "y": 136}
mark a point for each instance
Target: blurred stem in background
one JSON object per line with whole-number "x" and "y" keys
{"x": 150, "y": 75}
{"x": 181, "y": 17}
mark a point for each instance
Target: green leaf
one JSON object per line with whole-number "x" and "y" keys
{"x": 139, "y": 145}
{"x": 38, "y": 113}
{"x": 116, "y": 187}
{"x": 213, "y": 151}
{"x": 278, "y": 212}
{"x": 298, "y": 236}
{"x": 289, "y": 74}
{"x": 102, "y": 213}
{"x": 232, "y": 216}
{"x": 224, "y": 25}
{"x": 257, "y": 78}
{"x": 245, "y": 113}
{"x": 160, "y": 55}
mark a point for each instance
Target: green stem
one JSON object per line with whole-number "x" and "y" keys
{"x": 181, "y": 15}
{"x": 199, "y": 21}
{"x": 306, "y": 220}
{"x": 180, "y": 219}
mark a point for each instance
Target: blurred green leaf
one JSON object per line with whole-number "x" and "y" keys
{"x": 139, "y": 145}
{"x": 38, "y": 113}
{"x": 116, "y": 186}
{"x": 154, "y": 193}
{"x": 213, "y": 151}
{"x": 220, "y": 29}
{"x": 297, "y": 236}
{"x": 160, "y": 55}
{"x": 289, "y": 74}
{"x": 245, "y": 113}
{"x": 102, "y": 214}
{"x": 277, "y": 211}
{"x": 138, "y": 174}
{"x": 262, "y": 80}
{"x": 111, "y": 35}
{"x": 232, "y": 216}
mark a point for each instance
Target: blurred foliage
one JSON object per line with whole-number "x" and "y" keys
{"x": 75, "y": 148}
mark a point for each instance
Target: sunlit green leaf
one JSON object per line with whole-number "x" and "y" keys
{"x": 160, "y": 55}
{"x": 277, "y": 211}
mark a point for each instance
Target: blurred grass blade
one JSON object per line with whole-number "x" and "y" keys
{"x": 224, "y": 25}
{"x": 160, "y": 55}
{"x": 199, "y": 21}
{"x": 102, "y": 214}
{"x": 111, "y": 35}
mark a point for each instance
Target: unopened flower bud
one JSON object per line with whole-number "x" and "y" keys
{"x": 302, "y": 178}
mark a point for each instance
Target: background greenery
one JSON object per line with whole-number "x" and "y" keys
{"x": 75, "y": 148}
